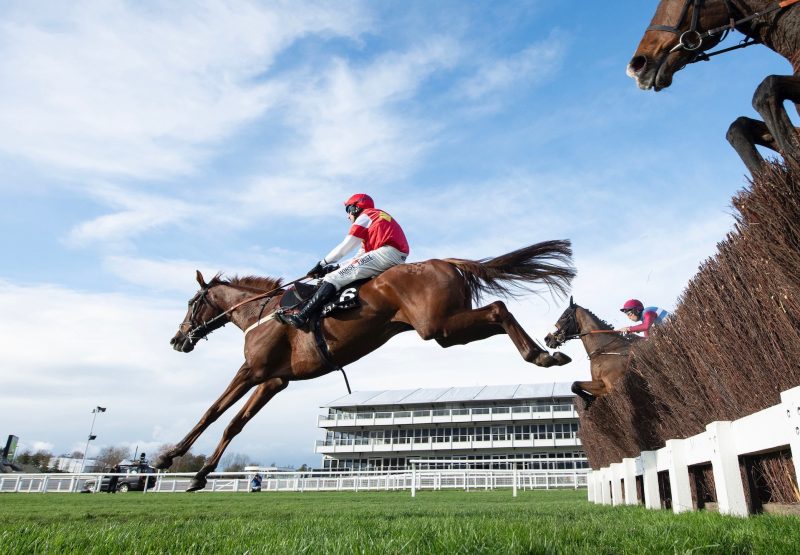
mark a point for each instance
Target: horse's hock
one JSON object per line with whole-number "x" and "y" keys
{"x": 730, "y": 348}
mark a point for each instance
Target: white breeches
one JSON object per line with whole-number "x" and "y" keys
{"x": 366, "y": 266}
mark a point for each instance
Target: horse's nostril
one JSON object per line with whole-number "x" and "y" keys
{"x": 638, "y": 63}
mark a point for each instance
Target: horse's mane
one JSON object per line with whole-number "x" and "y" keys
{"x": 603, "y": 324}
{"x": 258, "y": 284}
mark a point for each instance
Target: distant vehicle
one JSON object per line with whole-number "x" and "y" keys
{"x": 138, "y": 474}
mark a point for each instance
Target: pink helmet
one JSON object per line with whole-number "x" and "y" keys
{"x": 632, "y": 304}
{"x": 358, "y": 202}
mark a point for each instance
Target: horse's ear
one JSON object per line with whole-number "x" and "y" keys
{"x": 571, "y": 302}
{"x": 200, "y": 279}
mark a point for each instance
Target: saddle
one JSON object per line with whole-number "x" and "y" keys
{"x": 344, "y": 299}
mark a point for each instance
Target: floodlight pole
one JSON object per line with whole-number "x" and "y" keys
{"x": 95, "y": 411}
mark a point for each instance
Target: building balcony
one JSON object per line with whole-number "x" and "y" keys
{"x": 429, "y": 445}
{"x": 446, "y": 416}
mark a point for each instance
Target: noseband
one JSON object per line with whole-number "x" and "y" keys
{"x": 200, "y": 330}
{"x": 692, "y": 39}
{"x": 568, "y": 328}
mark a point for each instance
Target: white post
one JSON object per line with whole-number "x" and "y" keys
{"x": 629, "y": 473}
{"x": 725, "y": 464}
{"x": 791, "y": 402}
{"x": 652, "y": 497}
{"x": 616, "y": 473}
{"x": 679, "y": 476}
{"x": 589, "y": 486}
{"x": 514, "y": 478}
{"x": 413, "y": 479}
{"x": 605, "y": 486}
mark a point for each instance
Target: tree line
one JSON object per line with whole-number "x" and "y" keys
{"x": 40, "y": 460}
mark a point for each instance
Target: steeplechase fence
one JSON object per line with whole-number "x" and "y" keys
{"x": 672, "y": 477}
{"x": 412, "y": 480}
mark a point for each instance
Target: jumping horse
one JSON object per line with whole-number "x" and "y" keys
{"x": 433, "y": 298}
{"x": 682, "y": 32}
{"x": 608, "y": 351}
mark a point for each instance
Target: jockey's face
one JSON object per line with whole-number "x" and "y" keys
{"x": 631, "y": 314}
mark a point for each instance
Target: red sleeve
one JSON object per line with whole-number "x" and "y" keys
{"x": 647, "y": 320}
{"x": 358, "y": 231}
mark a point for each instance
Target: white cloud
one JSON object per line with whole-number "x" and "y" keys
{"x": 350, "y": 121}
{"x": 139, "y": 213}
{"x": 534, "y": 64}
{"x": 119, "y": 88}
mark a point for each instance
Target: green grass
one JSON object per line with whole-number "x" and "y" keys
{"x": 372, "y": 522}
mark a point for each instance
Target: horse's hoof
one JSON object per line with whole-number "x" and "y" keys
{"x": 163, "y": 462}
{"x": 561, "y": 359}
{"x": 544, "y": 360}
{"x": 197, "y": 483}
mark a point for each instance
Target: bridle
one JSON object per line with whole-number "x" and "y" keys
{"x": 692, "y": 39}
{"x": 567, "y": 328}
{"x": 200, "y": 329}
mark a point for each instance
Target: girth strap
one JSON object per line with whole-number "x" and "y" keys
{"x": 324, "y": 353}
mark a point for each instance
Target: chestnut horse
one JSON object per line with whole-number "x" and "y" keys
{"x": 683, "y": 30}
{"x": 608, "y": 350}
{"x": 434, "y": 298}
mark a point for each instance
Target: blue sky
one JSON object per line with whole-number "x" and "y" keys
{"x": 142, "y": 140}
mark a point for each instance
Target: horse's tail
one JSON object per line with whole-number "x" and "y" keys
{"x": 548, "y": 262}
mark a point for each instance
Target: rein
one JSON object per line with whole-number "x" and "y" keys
{"x": 224, "y": 314}
{"x": 692, "y": 40}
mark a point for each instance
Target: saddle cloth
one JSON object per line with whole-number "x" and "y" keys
{"x": 344, "y": 299}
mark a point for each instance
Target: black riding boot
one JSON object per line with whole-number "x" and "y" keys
{"x": 300, "y": 317}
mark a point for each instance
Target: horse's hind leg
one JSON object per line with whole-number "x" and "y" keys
{"x": 472, "y": 325}
{"x": 261, "y": 396}
{"x": 238, "y": 387}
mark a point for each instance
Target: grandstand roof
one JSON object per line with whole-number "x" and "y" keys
{"x": 452, "y": 395}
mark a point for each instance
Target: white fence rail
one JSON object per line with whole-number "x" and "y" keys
{"x": 437, "y": 479}
{"x": 721, "y": 445}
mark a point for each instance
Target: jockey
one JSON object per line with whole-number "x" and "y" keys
{"x": 649, "y": 316}
{"x": 383, "y": 245}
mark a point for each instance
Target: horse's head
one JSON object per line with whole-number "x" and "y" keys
{"x": 203, "y": 316}
{"x": 566, "y": 327}
{"x": 677, "y": 35}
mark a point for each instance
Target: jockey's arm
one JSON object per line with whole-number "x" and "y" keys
{"x": 647, "y": 321}
{"x": 349, "y": 243}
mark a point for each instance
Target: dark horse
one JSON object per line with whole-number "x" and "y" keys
{"x": 434, "y": 298}
{"x": 683, "y": 30}
{"x": 608, "y": 351}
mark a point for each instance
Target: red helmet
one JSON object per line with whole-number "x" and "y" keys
{"x": 358, "y": 202}
{"x": 632, "y": 304}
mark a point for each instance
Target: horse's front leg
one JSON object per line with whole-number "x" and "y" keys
{"x": 743, "y": 135}
{"x": 768, "y": 102}
{"x": 589, "y": 391}
{"x": 261, "y": 396}
{"x": 240, "y": 384}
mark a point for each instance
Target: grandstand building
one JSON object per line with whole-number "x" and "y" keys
{"x": 485, "y": 427}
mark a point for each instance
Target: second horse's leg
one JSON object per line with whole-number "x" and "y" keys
{"x": 743, "y": 135}
{"x": 768, "y": 101}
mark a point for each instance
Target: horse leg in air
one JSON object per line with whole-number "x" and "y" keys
{"x": 589, "y": 391}
{"x": 261, "y": 396}
{"x": 744, "y": 134}
{"x": 235, "y": 390}
{"x": 768, "y": 101}
{"x": 473, "y": 325}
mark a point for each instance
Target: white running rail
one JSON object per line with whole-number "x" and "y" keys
{"x": 721, "y": 445}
